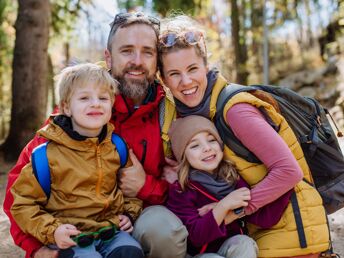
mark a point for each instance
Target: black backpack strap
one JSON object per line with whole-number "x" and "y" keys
{"x": 225, "y": 131}
{"x": 298, "y": 220}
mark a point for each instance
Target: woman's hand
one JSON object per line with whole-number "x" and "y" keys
{"x": 125, "y": 224}
{"x": 62, "y": 235}
{"x": 231, "y": 216}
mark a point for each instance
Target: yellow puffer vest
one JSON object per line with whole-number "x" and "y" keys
{"x": 282, "y": 240}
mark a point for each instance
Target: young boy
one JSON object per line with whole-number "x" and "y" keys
{"x": 83, "y": 163}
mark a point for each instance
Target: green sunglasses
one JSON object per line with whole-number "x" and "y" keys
{"x": 105, "y": 234}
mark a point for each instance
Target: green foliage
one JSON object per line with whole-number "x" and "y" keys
{"x": 163, "y": 7}
{"x": 64, "y": 15}
{"x": 129, "y": 4}
{"x": 7, "y": 16}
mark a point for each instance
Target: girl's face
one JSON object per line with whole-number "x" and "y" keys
{"x": 204, "y": 152}
{"x": 185, "y": 74}
{"x": 90, "y": 109}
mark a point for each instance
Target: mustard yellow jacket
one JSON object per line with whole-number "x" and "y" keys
{"x": 84, "y": 190}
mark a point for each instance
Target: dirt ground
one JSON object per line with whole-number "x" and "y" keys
{"x": 9, "y": 250}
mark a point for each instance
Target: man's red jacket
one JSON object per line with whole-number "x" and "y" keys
{"x": 140, "y": 129}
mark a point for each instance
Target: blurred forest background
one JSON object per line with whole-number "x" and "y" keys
{"x": 294, "y": 43}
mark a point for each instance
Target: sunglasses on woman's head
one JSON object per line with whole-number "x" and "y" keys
{"x": 105, "y": 234}
{"x": 190, "y": 37}
{"x": 123, "y": 17}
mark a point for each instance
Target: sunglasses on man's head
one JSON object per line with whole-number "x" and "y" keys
{"x": 190, "y": 37}
{"x": 123, "y": 17}
{"x": 105, "y": 234}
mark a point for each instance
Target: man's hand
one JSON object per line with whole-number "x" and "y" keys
{"x": 170, "y": 171}
{"x": 132, "y": 178}
{"x": 62, "y": 235}
{"x": 45, "y": 252}
{"x": 125, "y": 224}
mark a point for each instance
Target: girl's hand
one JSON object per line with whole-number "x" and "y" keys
{"x": 206, "y": 208}
{"x": 236, "y": 199}
{"x": 170, "y": 171}
{"x": 125, "y": 224}
{"x": 223, "y": 210}
{"x": 62, "y": 235}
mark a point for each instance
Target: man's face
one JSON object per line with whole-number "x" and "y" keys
{"x": 133, "y": 60}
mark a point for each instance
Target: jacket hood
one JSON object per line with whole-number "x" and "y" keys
{"x": 54, "y": 132}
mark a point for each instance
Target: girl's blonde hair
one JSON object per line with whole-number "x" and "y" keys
{"x": 80, "y": 75}
{"x": 225, "y": 170}
{"x": 180, "y": 25}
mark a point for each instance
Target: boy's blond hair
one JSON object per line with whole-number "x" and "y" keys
{"x": 80, "y": 75}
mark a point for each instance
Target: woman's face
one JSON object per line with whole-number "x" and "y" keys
{"x": 185, "y": 74}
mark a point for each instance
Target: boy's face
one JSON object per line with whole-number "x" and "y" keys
{"x": 89, "y": 108}
{"x": 204, "y": 152}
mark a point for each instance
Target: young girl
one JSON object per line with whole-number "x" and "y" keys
{"x": 204, "y": 177}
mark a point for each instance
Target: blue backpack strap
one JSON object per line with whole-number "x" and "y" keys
{"x": 121, "y": 147}
{"x": 40, "y": 167}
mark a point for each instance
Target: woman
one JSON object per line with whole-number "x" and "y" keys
{"x": 195, "y": 88}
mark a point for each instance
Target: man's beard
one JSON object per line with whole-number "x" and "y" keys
{"x": 133, "y": 88}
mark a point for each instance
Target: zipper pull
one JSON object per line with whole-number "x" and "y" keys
{"x": 339, "y": 133}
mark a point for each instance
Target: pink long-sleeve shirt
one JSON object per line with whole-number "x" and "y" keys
{"x": 251, "y": 128}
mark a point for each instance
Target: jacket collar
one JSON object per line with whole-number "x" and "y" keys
{"x": 125, "y": 105}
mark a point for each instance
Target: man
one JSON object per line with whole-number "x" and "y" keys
{"x": 131, "y": 55}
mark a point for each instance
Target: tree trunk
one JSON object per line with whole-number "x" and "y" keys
{"x": 239, "y": 45}
{"x": 310, "y": 37}
{"x": 256, "y": 25}
{"x": 29, "y": 89}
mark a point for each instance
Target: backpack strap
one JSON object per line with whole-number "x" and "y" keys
{"x": 298, "y": 220}
{"x": 167, "y": 113}
{"x": 40, "y": 167}
{"x": 121, "y": 147}
{"x": 226, "y": 133}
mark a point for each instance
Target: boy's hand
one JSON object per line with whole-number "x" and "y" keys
{"x": 125, "y": 224}
{"x": 170, "y": 171}
{"x": 62, "y": 235}
{"x": 45, "y": 252}
{"x": 132, "y": 178}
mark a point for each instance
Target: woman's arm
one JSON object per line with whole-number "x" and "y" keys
{"x": 251, "y": 128}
